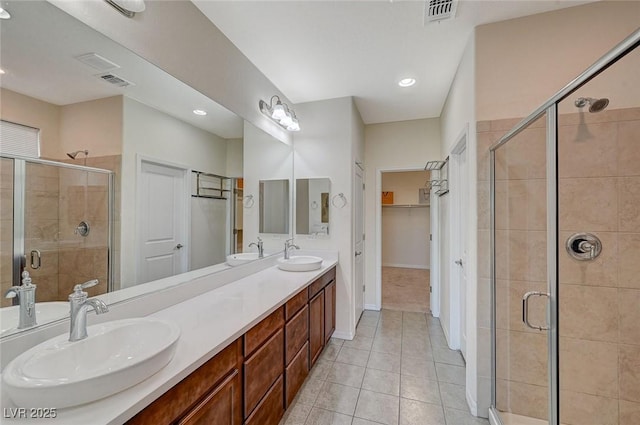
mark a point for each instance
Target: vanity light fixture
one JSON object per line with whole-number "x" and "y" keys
{"x": 4, "y": 14}
{"x": 407, "y": 82}
{"x": 128, "y": 8}
{"x": 280, "y": 113}
{"x": 2, "y": 72}
{"x": 199, "y": 112}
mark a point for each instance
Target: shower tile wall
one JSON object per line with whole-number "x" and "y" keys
{"x": 6, "y": 227}
{"x": 599, "y": 192}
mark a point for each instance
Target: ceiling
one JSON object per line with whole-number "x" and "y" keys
{"x": 39, "y": 45}
{"x": 315, "y": 50}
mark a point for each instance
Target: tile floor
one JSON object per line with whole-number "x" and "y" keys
{"x": 405, "y": 289}
{"x": 396, "y": 371}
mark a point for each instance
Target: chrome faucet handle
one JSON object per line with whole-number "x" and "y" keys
{"x": 79, "y": 287}
{"x": 12, "y": 292}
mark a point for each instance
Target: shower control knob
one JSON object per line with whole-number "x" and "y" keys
{"x": 584, "y": 246}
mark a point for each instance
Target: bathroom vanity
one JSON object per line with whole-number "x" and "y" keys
{"x": 245, "y": 349}
{"x": 255, "y": 378}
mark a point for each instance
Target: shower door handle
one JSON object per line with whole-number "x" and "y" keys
{"x": 36, "y": 259}
{"x": 525, "y": 309}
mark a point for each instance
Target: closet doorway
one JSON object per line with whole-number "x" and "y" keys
{"x": 405, "y": 241}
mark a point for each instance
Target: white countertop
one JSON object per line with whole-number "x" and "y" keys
{"x": 209, "y": 322}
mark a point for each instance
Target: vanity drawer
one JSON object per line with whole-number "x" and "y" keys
{"x": 329, "y": 276}
{"x": 295, "y": 304}
{"x": 296, "y": 373}
{"x": 321, "y": 282}
{"x": 179, "y": 399}
{"x": 223, "y": 406}
{"x": 270, "y": 410}
{"x": 262, "y": 331}
{"x": 261, "y": 370}
{"x": 296, "y": 333}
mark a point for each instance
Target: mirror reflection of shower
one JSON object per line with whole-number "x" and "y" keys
{"x": 83, "y": 228}
{"x": 595, "y": 105}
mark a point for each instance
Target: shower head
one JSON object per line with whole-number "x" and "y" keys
{"x": 73, "y": 155}
{"x": 595, "y": 105}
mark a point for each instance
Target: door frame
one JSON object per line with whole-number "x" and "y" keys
{"x": 186, "y": 223}
{"x": 358, "y": 167}
{"x": 458, "y": 245}
{"x": 434, "y": 259}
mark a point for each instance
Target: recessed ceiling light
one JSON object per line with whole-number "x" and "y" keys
{"x": 4, "y": 14}
{"x": 199, "y": 112}
{"x": 407, "y": 82}
{"x": 1, "y": 71}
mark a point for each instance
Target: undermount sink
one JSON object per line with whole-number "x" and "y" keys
{"x": 242, "y": 258}
{"x": 116, "y": 355}
{"x": 45, "y": 313}
{"x": 300, "y": 263}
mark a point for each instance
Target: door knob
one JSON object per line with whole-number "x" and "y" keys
{"x": 459, "y": 262}
{"x": 358, "y": 253}
{"x": 179, "y": 246}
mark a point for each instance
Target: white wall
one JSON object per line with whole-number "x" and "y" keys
{"x": 265, "y": 158}
{"x": 154, "y": 134}
{"x": 235, "y": 148}
{"x": 458, "y": 116}
{"x": 405, "y": 145}
{"x": 405, "y": 231}
{"x": 327, "y": 146}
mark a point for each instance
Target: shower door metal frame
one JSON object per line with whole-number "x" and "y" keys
{"x": 19, "y": 201}
{"x": 550, "y": 107}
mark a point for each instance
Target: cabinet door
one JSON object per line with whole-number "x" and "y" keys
{"x": 262, "y": 369}
{"x": 316, "y": 327}
{"x": 296, "y": 334}
{"x": 329, "y": 310}
{"x": 270, "y": 409}
{"x": 222, "y": 406}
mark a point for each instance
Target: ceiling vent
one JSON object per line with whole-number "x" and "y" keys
{"x": 438, "y": 10}
{"x": 115, "y": 80}
{"x": 97, "y": 62}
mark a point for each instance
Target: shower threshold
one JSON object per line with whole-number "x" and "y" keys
{"x": 513, "y": 419}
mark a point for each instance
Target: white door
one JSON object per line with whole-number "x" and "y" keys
{"x": 461, "y": 261}
{"x": 162, "y": 221}
{"x": 358, "y": 236}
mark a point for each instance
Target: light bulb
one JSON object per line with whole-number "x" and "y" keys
{"x": 407, "y": 82}
{"x": 286, "y": 121}
{"x": 278, "y": 112}
{"x": 294, "y": 126}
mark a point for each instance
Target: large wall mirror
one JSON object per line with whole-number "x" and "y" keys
{"x": 136, "y": 176}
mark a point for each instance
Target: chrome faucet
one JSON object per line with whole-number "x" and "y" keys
{"x": 288, "y": 246}
{"x": 79, "y": 305}
{"x": 26, "y": 294}
{"x": 260, "y": 247}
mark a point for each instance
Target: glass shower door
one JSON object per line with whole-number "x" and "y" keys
{"x": 522, "y": 384}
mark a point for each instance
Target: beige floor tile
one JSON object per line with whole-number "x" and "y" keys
{"x": 326, "y": 417}
{"x": 381, "y": 382}
{"x": 371, "y": 313}
{"x": 367, "y": 331}
{"x": 330, "y": 352}
{"x": 336, "y": 341}
{"x": 453, "y": 396}
{"x": 321, "y": 369}
{"x": 353, "y": 356}
{"x": 451, "y": 374}
{"x": 360, "y": 421}
{"x": 338, "y": 398}
{"x": 420, "y": 367}
{"x": 384, "y": 361}
{"x": 359, "y": 342}
{"x": 346, "y": 374}
{"x": 387, "y": 345}
{"x": 445, "y": 355}
{"x": 463, "y": 417}
{"x": 296, "y": 414}
{"x": 414, "y": 412}
{"x": 309, "y": 391}
{"x": 420, "y": 389}
{"x": 368, "y": 320}
{"x": 378, "y": 407}
{"x": 416, "y": 348}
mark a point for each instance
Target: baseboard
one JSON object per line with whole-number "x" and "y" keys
{"x": 406, "y": 266}
{"x": 343, "y": 335}
{"x": 373, "y": 307}
{"x": 473, "y": 406}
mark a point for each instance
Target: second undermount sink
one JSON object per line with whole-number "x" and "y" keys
{"x": 45, "y": 312}
{"x": 300, "y": 263}
{"x": 116, "y": 355}
{"x": 241, "y": 258}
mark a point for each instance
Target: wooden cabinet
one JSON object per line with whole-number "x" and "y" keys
{"x": 316, "y": 327}
{"x": 295, "y": 373}
{"x": 258, "y": 334}
{"x": 296, "y": 303}
{"x": 215, "y": 385}
{"x": 261, "y": 370}
{"x": 329, "y": 310}
{"x": 296, "y": 334}
{"x": 270, "y": 410}
{"x": 221, "y": 406}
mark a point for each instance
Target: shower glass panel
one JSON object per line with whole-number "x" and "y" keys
{"x": 56, "y": 226}
{"x": 599, "y": 289}
{"x": 520, "y": 267}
